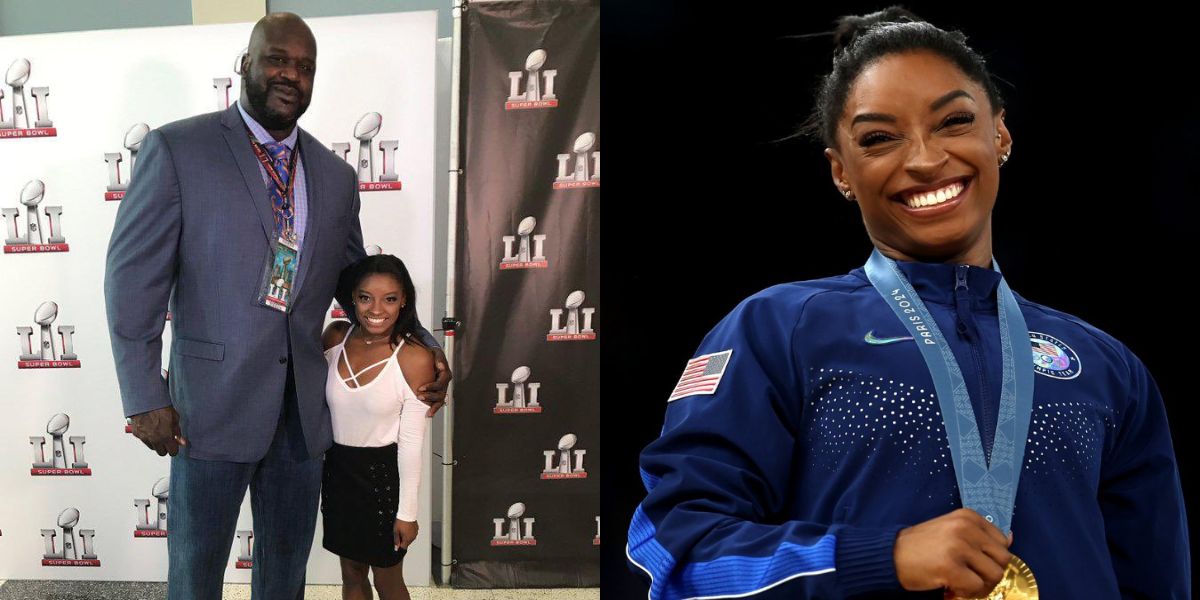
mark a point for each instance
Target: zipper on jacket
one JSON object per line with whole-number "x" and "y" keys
{"x": 969, "y": 331}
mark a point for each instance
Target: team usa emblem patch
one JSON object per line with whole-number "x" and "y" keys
{"x": 1053, "y": 358}
{"x": 701, "y": 376}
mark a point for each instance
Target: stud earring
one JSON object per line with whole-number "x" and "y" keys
{"x": 844, "y": 188}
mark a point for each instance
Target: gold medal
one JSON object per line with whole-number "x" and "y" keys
{"x": 1018, "y": 583}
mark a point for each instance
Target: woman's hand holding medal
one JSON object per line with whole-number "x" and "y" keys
{"x": 959, "y": 551}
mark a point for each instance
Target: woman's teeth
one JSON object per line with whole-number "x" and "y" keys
{"x": 934, "y": 197}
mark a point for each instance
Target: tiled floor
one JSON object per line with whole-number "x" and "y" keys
{"x": 111, "y": 590}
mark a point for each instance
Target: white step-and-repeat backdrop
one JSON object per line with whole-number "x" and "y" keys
{"x": 73, "y": 108}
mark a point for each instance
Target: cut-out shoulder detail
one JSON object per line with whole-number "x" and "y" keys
{"x": 416, "y": 364}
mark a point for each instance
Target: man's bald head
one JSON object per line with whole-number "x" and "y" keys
{"x": 278, "y": 71}
{"x": 281, "y": 24}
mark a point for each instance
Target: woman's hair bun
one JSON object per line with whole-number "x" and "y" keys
{"x": 850, "y": 27}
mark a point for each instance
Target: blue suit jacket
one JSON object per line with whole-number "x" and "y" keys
{"x": 197, "y": 221}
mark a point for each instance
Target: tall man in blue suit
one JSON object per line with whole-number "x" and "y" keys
{"x": 214, "y": 200}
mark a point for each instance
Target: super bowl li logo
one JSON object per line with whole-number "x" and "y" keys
{"x": 538, "y": 84}
{"x": 559, "y": 464}
{"x": 364, "y": 131}
{"x": 16, "y": 124}
{"x": 117, "y": 185}
{"x": 153, "y": 524}
{"x": 245, "y": 549}
{"x": 524, "y": 394}
{"x": 509, "y": 531}
{"x": 56, "y": 462}
{"x": 575, "y": 328}
{"x": 36, "y": 238}
{"x": 69, "y": 555}
{"x": 528, "y": 256}
{"x": 223, "y": 85}
{"x": 582, "y": 173}
{"x": 46, "y": 355}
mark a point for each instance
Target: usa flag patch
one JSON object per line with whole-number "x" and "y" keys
{"x": 701, "y": 376}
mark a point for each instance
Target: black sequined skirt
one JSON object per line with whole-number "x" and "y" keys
{"x": 360, "y": 490}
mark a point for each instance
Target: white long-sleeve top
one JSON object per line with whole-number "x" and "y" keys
{"x": 382, "y": 411}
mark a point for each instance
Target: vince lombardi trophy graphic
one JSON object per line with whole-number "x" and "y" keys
{"x": 574, "y": 301}
{"x": 514, "y": 521}
{"x": 57, "y": 427}
{"x": 523, "y": 230}
{"x": 565, "y": 443}
{"x": 31, "y": 196}
{"x": 533, "y": 64}
{"x": 133, "y": 142}
{"x": 162, "y": 491}
{"x": 68, "y": 519}
{"x": 366, "y": 129}
{"x": 45, "y": 314}
{"x": 18, "y": 74}
{"x": 519, "y": 376}
{"x": 583, "y": 145}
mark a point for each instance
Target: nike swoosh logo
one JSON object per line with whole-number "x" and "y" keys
{"x": 874, "y": 341}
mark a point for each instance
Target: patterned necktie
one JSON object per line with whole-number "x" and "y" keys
{"x": 280, "y": 154}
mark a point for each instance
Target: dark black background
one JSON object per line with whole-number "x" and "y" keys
{"x": 702, "y": 208}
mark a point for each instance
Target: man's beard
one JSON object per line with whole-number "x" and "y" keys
{"x": 268, "y": 117}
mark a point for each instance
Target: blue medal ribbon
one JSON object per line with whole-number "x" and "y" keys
{"x": 990, "y": 488}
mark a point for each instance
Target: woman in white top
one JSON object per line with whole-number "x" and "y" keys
{"x": 373, "y": 471}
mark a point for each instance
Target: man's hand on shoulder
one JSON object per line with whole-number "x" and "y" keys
{"x": 335, "y": 332}
{"x": 434, "y": 394}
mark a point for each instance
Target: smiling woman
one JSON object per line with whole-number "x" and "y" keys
{"x": 901, "y": 427}
{"x": 915, "y": 136}
{"x": 373, "y": 471}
